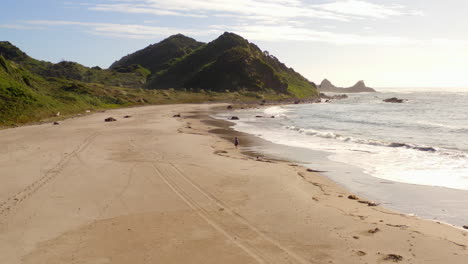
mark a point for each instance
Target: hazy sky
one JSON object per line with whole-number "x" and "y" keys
{"x": 387, "y": 43}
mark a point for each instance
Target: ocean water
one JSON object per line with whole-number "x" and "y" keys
{"x": 423, "y": 141}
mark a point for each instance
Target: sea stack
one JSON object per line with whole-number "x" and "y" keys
{"x": 359, "y": 87}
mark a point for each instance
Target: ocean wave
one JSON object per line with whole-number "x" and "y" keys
{"x": 332, "y": 135}
{"x": 452, "y": 127}
{"x": 276, "y": 111}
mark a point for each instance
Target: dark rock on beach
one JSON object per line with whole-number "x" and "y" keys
{"x": 311, "y": 170}
{"x": 234, "y": 118}
{"x": 110, "y": 119}
{"x": 394, "y": 257}
{"x": 368, "y": 203}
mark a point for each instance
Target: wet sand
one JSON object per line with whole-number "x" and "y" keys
{"x": 158, "y": 189}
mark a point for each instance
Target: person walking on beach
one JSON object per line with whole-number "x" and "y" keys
{"x": 236, "y": 142}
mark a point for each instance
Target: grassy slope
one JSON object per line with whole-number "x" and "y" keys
{"x": 133, "y": 76}
{"x": 185, "y": 68}
{"x": 27, "y": 97}
{"x": 232, "y": 63}
{"x": 160, "y": 56}
{"x": 229, "y": 68}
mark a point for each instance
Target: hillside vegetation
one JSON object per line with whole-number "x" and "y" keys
{"x": 160, "y": 56}
{"x": 133, "y": 76}
{"x": 176, "y": 70}
{"x": 231, "y": 63}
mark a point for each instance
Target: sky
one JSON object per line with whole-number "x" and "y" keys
{"x": 386, "y": 43}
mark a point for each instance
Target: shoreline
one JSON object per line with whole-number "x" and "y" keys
{"x": 158, "y": 188}
{"x": 226, "y": 132}
{"x": 431, "y": 202}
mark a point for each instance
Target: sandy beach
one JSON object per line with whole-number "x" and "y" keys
{"x": 154, "y": 188}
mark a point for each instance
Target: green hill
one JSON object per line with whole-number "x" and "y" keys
{"x": 133, "y": 76}
{"x": 26, "y": 96}
{"x": 176, "y": 70}
{"x": 231, "y": 63}
{"x": 161, "y": 55}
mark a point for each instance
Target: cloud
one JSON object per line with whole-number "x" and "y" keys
{"x": 253, "y": 33}
{"x": 267, "y": 20}
{"x": 131, "y": 31}
{"x": 268, "y": 10}
{"x": 266, "y": 32}
{"x": 19, "y": 26}
{"x": 140, "y": 9}
{"x": 364, "y": 9}
{"x": 291, "y": 33}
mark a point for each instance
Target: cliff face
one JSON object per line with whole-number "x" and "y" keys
{"x": 359, "y": 87}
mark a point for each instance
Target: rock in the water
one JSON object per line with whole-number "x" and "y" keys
{"x": 234, "y": 118}
{"x": 398, "y": 145}
{"x": 353, "y": 197}
{"x": 430, "y": 149}
{"x": 110, "y": 119}
{"x": 359, "y": 87}
{"x": 465, "y": 226}
{"x": 394, "y": 100}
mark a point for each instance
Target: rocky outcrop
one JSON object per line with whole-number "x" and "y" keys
{"x": 359, "y": 87}
{"x": 394, "y": 100}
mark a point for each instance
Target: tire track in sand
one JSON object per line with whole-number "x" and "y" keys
{"x": 255, "y": 243}
{"x": 230, "y": 224}
{"x": 12, "y": 202}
